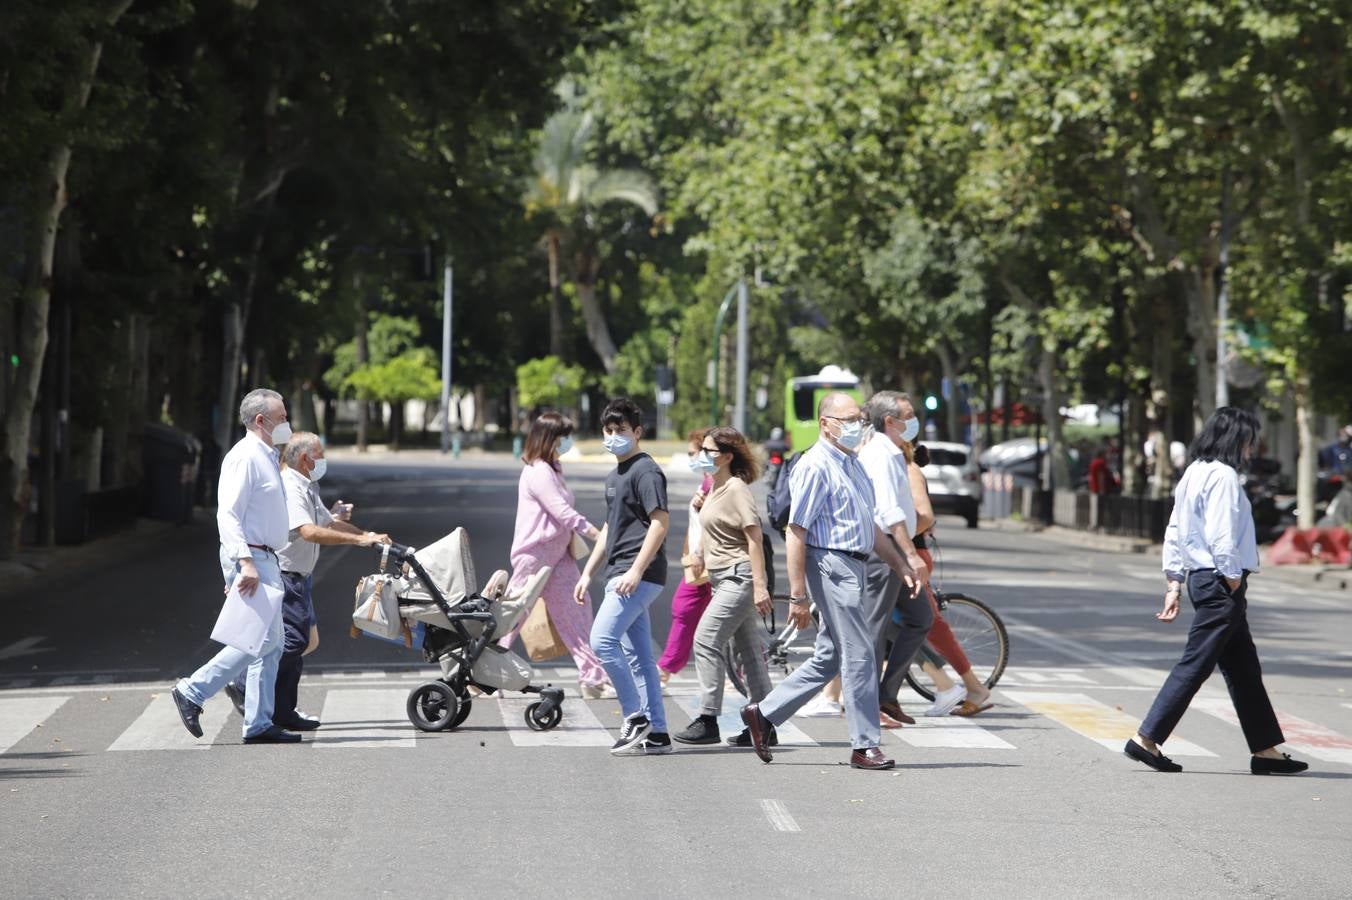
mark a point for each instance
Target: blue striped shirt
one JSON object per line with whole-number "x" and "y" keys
{"x": 832, "y": 499}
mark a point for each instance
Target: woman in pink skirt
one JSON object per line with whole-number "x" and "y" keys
{"x": 546, "y": 522}
{"x": 690, "y": 600}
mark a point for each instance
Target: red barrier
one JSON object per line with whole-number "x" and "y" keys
{"x": 1334, "y": 546}
{"x": 1299, "y": 546}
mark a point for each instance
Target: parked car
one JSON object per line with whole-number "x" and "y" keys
{"x": 954, "y": 480}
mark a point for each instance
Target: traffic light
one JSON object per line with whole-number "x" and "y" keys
{"x": 931, "y": 402}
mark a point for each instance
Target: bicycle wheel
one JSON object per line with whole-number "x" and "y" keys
{"x": 732, "y": 665}
{"x": 983, "y": 638}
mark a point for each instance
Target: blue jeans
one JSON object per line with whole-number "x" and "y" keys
{"x": 223, "y": 668}
{"x": 622, "y": 638}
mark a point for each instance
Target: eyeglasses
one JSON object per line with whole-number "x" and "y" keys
{"x": 714, "y": 450}
{"x": 862, "y": 420}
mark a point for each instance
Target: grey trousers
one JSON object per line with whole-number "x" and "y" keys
{"x": 885, "y": 590}
{"x": 838, "y": 585}
{"x": 730, "y": 616}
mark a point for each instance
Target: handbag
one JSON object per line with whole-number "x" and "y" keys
{"x": 688, "y": 565}
{"x": 539, "y": 635}
{"x": 578, "y": 547}
{"x": 376, "y": 610}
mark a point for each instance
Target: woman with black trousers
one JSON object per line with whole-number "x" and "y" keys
{"x": 1210, "y": 546}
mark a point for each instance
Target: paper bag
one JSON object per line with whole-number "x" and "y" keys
{"x": 244, "y": 622}
{"x": 578, "y": 547}
{"x": 540, "y": 636}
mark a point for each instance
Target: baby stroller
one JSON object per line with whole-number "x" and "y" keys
{"x": 436, "y": 586}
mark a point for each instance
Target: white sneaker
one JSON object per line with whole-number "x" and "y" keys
{"x": 602, "y": 691}
{"x": 944, "y": 701}
{"x": 821, "y": 706}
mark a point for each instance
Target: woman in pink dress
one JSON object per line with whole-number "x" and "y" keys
{"x": 690, "y": 600}
{"x": 546, "y": 522}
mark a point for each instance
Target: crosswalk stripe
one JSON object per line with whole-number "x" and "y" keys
{"x": 949, "y": 732}
{"x": 579, "y": 728}
{"x": 730, "y": 722}
{"x": 159, "y": 727}
{"x": 1097, "y": 721}
{"x": 1301, "y": 735}
{"x": 21, "y": 715}
{"x": 357, "y": 718}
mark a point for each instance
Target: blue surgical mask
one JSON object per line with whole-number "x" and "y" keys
{"x": 703, "y": 464}
{"x": 851, "y": 435}
{"x": 321, "y": 466}
{"x": 911, "y": 431}
{"x": 565, "y": 444}
{"x": 618, "y": 444}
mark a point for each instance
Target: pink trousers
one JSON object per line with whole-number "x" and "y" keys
{"x": 687, "y": 605}
{"x": 571, "y": 619}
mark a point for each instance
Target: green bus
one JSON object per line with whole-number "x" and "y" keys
{"x": 801, "y": 396}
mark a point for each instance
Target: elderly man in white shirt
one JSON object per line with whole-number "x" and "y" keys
{"x": 311, "y": 526}
{"x": 893, "y": 417}
{"x": 252, "y": 520}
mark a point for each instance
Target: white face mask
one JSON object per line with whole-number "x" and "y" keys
{"x": 851, "y": 435}
{"x": 565, "y": 444}
{"x": 281, "y": 434}
{"x": 321, "y": 466}
{"x": 703, "y": 463}
{"x": 618, "y": 444}
{"x": 911, "y": 431}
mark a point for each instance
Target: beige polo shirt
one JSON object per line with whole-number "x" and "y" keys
{"x": 727, "y": 512}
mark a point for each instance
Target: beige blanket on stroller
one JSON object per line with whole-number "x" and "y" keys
{"x": 450, "y": 565}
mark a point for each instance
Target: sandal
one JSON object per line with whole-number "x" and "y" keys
{"x": 967, "y": 708}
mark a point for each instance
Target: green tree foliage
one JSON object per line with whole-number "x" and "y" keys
{"x": 548, "y": 382}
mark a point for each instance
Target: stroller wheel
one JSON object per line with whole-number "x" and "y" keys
{"x": 433, "y": 707}
{"x": 539, "y": 719}
{"x": 462, "y": 713}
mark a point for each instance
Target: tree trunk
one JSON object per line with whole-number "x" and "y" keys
{"x": 1048, "y": 367}
{"x": 34, "y": 306}
{"x": 1306, "y": 461}
{"x": 949, "y": 369}
{"x": 598, "y": 330}
{"x": 396, "y": 423}
{"x": 363, "y": 360}
{"x": 556, "y": 345}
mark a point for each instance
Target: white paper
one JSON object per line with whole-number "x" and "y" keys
{"x": 244, "y": 621}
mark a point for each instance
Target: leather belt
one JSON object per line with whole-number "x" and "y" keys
{"x": 264, "y": 547}
{"x": 853, "y": 554}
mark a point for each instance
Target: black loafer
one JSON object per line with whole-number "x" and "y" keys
{"x": 188, "y": 712}
{"x": 236, "y": 696}
{"x": 1157, "y": 761}
{"x": 756, "y": 729}
{"x": 296, "y": 722}
{"x": 274, "y": 735}
{"x": 1261, "y": 765}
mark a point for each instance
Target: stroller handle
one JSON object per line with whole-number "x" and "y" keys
{"x": 398, "y": 554}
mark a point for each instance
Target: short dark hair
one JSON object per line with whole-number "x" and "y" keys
{"x": 622, "y": 410}
{"x": 545, "y": 433}
{"x": 1224, "y": 437}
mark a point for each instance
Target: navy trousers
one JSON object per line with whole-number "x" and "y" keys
{"x": 298, "y": 614}
{"x": 1219, "y": 637}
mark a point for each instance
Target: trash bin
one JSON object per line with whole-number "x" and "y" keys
{"x": 170, "y": 459}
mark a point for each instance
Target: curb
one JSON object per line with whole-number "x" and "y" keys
{"x": 1092, "y": 540}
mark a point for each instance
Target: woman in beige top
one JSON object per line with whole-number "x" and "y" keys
{"x": 735, "y": 561}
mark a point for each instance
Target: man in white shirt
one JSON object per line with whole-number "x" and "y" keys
{"x": 311, "y": 526}
{"x": 894, "y": 420}
{"x": 252, "y": 520}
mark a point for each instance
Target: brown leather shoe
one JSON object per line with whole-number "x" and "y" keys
{"x": 893, "y": 711}
{"x": 872, "y": 758}
{"x": 757, "y": 727}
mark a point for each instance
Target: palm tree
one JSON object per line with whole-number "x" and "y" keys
{"x": 567, "y": 190}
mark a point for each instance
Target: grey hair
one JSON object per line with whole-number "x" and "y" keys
{"x": 884, "y": 404}
{"x": 255, "y": 404}
{"x": 301, "y": 442}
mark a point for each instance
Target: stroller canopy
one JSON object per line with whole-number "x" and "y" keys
{"x": 450, "y": 565}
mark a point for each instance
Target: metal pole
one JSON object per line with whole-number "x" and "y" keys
{"x": 739, "y": 401}
{"x": 714, "y": 364}
{"x": 1223, "y": 296}
{"x": 446, "y": 360}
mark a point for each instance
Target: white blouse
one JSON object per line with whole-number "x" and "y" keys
{"x": 1212, "y": 524}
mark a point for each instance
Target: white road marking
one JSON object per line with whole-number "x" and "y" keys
{"x": 1309, "y": 738}
{"x": 579, "y": 728}
{"x": 779, "y": 817}
{"x": 950, "y": 733}
{"x": 1097, "y": 721}
{"x": 730, "y": 722}
{"x": 363, "y": 717}
{"x": 159, "y": 727}
{"x": 25, "y": 647}
{"x": 19, "y": 716}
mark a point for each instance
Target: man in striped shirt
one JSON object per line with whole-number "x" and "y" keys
{"x": 832, "y": 531}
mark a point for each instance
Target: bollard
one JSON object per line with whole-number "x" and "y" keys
{"x": 455, "y": 446}
{"x": 517, "y": 446}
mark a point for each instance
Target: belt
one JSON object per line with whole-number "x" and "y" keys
{"x": 853, "y": 554}
{"x": 264, "y": 547}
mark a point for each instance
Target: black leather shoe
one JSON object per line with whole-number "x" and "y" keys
{"x": 1157, "y": 761}
{"x": 236, "y": 696}
{"x": 274, "y": 735}
{"x": 188, "y": 712}
{"x": 701, "y": 730}
{"x": 1261, "y": 765}
{"x": 297, "y": 721}
{"x": 743, "y": 738}
{"x": 756, "y": 726}
{"x": 870, "y": 758}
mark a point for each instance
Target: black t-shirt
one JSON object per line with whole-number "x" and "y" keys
{"x": 634, "y": 491}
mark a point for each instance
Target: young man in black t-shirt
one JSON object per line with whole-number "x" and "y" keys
{"x": 631, "y": 548}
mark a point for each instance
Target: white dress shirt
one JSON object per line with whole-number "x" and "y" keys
{"x": 886, "y": 467}
{"x": 1212, "y": 524}
{"x": 303, "y": 507}
{"x": 250, "y": 499}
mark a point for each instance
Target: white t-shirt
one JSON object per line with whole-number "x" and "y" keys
{"x": 303, "y": 507}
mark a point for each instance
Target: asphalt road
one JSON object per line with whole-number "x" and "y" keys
{"x": 102, "y": 794}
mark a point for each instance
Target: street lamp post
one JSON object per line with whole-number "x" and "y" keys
{"x": 446, "y": 332}
{"x": 739, "y": 291}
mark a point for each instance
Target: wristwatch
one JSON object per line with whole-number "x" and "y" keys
{"x": 798, "y": 601}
